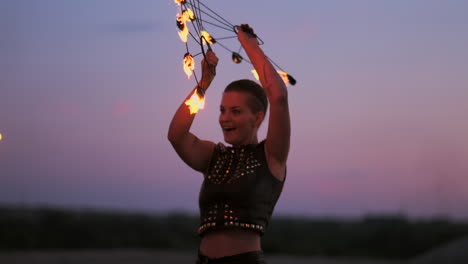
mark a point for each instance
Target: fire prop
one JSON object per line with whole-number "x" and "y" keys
{"x": 195, "y": 14}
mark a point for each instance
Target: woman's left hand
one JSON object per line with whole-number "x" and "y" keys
{"x": 246, "y": 35}
{"x": 209, "y": 64}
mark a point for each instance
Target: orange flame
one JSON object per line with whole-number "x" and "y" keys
{"x": 195, "y": 102}
{"x": 255, "y": 74}
{"x": 287, "y": 79}
{"x": 189, "y": 64}
{"x": 188, "y": 14}
{"x": 179, "y": 1}
{"x": 182, "y": 24}
{"x": 207, "y": 37}
{"x": 284, "y": 76}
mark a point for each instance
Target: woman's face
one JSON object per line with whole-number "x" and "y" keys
{"x": 238, "y": 123}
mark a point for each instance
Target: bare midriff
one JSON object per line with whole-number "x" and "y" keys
{"x": 217, "y": 244}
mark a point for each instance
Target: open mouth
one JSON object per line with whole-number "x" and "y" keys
{"x": 229, "y": 129}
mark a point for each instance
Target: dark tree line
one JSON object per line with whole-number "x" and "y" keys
{"x": 377, "y": 236}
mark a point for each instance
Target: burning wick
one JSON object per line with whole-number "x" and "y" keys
{"x": 189, "y": 65}
{"x": 180, "y": 22}
{"x": 236, "y": 57}
{"x": 188, "y": 14}
{"x": 207, "y": 37}
{"x": 196, "y": 101}
{"x": 182, "y": 25}
{"x": 288, "y": 79}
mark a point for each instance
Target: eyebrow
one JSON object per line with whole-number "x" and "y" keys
{"x": 232, "y": 107}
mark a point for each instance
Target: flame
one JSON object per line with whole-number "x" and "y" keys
{"x": 182, "y": 25}
{"x": 284, "y": 76}
{"x": 189, "y": 64}
{"x": 1, "y": 136}
{"x": 180, "y": 22}
{"x": 207, "y": 37}
{"x": 288, "y": 79}
{"x": 188, "y": 14}
{"x": 195, "y": 102}
{"x": 254, "y": 72}
{"x": 179, "y": 2}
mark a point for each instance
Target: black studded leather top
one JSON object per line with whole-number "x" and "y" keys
{"x": 239, "y": 190}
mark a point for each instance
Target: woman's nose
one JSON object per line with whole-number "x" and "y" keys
{"x": 224, "y": 116}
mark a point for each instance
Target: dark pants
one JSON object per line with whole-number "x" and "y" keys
{"x": 254, "y": 257}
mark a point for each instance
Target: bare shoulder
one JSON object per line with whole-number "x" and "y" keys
{"x": 196, "y": 153}
{"x": 202, "y": 154}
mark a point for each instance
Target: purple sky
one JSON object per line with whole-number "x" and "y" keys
{"x": 379, "y": 114}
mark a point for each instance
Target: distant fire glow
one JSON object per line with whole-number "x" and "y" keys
{"x": 195, "y": 103}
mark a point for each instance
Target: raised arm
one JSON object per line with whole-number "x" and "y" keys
{"x": 194, "y": 152}
{"x": 279, "y": 124}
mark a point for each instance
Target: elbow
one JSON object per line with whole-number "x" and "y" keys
{"x": 277, "y": 93}
{"x": 279, "y": 98}
{"x": 175, "y": 138}
{"x": 172, "y": 137}
{"x": 172, "y": 133}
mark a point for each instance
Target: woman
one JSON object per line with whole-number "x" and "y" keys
{"x": 242, "y": 182}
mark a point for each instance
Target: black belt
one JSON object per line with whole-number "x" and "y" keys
{"x": 253, "y": 257}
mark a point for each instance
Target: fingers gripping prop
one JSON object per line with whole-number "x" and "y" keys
{"x": 198, "y": 25}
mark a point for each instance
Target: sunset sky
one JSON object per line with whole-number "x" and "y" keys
{"x": 379, "y": 113}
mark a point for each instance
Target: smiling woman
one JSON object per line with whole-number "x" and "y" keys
{"x": 241, "y": 182}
